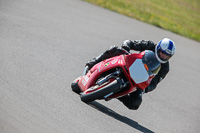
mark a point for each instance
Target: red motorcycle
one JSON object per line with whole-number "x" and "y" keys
{"x": 117, "y": 76}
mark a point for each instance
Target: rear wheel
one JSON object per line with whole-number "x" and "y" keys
{"x": 100, "y": 93}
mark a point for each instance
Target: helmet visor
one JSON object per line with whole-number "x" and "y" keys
{"x": 163, "y": 56}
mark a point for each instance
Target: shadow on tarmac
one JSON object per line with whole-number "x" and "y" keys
{"x": 119, "y": 117}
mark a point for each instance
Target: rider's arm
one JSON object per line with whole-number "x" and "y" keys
{"x": 138, "y": 45}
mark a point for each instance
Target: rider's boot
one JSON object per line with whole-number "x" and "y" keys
{"x": 133, "y": 100}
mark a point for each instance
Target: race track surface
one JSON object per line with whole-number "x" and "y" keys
{"x": 44, "y": 45}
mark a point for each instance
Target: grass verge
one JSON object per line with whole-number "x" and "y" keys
{"x": 179, "y": 16}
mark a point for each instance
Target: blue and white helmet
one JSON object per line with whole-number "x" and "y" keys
{"x": 164, "y": 50}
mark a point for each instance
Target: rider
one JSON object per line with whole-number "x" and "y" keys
{"x": 164, "y": 50}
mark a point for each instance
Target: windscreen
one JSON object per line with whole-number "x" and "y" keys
{"x": 150, "y": 61}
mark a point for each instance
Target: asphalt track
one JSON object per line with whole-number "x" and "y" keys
{"x": 44, "y": 45}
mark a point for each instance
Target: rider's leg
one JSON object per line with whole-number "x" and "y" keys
{"x": 133, "y": 100}
{"x": 113, "y": 51}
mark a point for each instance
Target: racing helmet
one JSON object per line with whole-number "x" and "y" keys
{"x": 164, "y": 50}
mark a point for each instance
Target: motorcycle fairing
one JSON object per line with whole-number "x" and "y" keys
{"x": 98, "y": 69}
{"x": 122, "y": 61}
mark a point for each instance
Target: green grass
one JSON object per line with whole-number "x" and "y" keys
{"x": 179, "y": 16}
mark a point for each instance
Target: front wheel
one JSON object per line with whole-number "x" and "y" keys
{"x": 100, "y": 93}
{"x": 75, "y": 87}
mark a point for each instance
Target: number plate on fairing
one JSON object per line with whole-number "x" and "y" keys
{"x": 138, "y": 72}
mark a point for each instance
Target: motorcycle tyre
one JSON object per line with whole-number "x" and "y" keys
{"x": 99, "y": 94}
{"x": 75, "y": 87}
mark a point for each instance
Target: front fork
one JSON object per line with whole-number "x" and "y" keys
{"x": 114, "y": 75}
{"x": 105, "y": 79}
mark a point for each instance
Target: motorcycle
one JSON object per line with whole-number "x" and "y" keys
{"x": 117, "y": 76}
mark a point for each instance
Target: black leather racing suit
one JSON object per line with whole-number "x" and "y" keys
{"x": 133, "y": 100}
